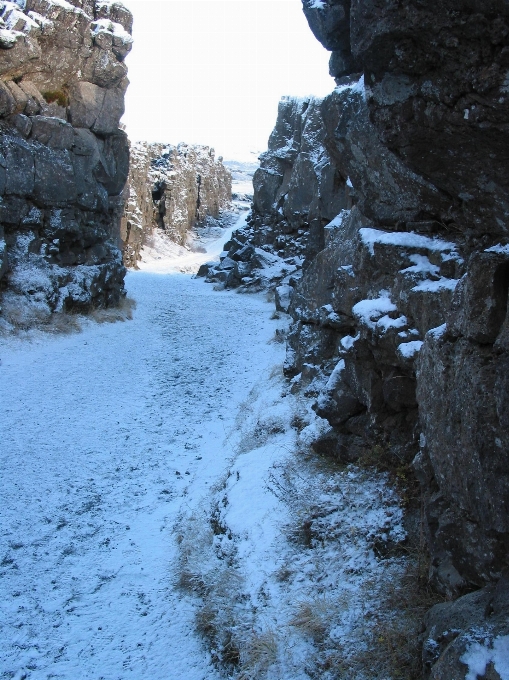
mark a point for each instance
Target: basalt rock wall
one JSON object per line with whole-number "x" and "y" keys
{"x": 63, "y": 158}
{"x": 401, "y": 321}
{"x": 298, "y": 188}
{"x": 172, "y": 189}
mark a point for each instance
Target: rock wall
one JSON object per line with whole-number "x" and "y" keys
{"x": 434, "y": 104}
{"x": 400, "y": 320}
{"x": 298, "y": 189}
{"x": 63, "y": 159}
{"x": 173, "y": 189}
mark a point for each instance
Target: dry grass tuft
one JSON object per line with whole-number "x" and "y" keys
{"x": 23, "y": 319}
{"x": 258, "y": 654}
{"x": 124, "y": 312}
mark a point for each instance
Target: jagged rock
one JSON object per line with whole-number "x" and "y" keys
{"x": 423, "y": 140}
{"x": 172, "y": 189}
{"x": 472, "y": 628}
{"x": 63, "y": 159}
{"x": 248, "y": 268}
{"x": 437, "y": 79}
{"x": 298, "y": 188}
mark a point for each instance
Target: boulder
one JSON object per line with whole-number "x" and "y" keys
{"x": 283, "y": 297}
{"x": 468, "y": 635}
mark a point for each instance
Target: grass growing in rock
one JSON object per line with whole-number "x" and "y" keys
{"x": 61, "y": 97}
{"x": 300, "y": 567}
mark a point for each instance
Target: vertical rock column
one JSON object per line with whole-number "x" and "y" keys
{"x": 63, "y": 159}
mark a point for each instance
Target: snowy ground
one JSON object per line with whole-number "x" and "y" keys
{"x": 107, "y": 435}
{"x": 157, "y": 484}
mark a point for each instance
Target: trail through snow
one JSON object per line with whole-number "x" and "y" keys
{"x": 106, "y": 436}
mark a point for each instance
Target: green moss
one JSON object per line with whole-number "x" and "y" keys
{"x": 59, "y": 96}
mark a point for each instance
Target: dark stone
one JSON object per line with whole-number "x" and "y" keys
{"x": 462, "y": 395}
{"x": 244, "y": 254}
{"x": 52, "y": 132}
{"x": 55, "y": 183}
{"x": 19, "y": 165}
{"x": 204, "y": 269}
{"x": 479, "y": 617}
{"x": 330, "y": 24}
{"x": 113, "y": 168}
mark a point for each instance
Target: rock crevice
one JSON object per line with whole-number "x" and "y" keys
{"x": 171, "y": 188}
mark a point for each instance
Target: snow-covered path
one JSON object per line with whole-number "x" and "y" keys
{"x": 105, "y": 437}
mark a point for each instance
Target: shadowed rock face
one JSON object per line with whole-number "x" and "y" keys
{"x": 173, "y": 189}
{"x": 63, "y": 159}
{"x": 438, "y": 93}
{"x": 400, "y": 321}
{"x": 426, "y": 148}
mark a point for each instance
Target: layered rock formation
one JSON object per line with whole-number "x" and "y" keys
{"x": 435, "y": 106}
{"x": 63, "y": 159}
{"x": 400, "y": 321}
{"x": 173, "y": 189}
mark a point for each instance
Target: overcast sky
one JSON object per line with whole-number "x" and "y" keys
{"x": 212, "y": 71}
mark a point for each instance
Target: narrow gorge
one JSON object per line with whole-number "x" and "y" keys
{"x": 378, "y": 231}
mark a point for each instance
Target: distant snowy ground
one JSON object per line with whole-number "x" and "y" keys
{"x": 242, "y": 176}
{"x": 153, "y": 482}
{"x": 205, "y": 243}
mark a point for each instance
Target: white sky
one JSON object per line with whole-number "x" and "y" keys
{"x": 212, "y": 71}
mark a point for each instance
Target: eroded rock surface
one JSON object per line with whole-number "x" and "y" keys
{"x": 63, "y": 159}
{"x": 173, "y": 189}
{"x": 433, "y": 105}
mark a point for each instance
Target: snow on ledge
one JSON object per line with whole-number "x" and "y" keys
{"x": 408, "y": 350}
{"x": 438, "y": 332}
{"x": 337, "y": 222}
{"x": 478, "y": 656}
{"x": 111, "y": 27}
{"x": 349, "y": 341}
{"x": 434, "y": 286}
{"x": 499, "y": 248}
{"x": 407, "y": 239}
{"x": 369, "y": 311}
{"x": 421, "y": 265}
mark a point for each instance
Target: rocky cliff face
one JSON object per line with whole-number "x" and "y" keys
{"x": 173, "y": 189}
{"x": 298, "y": 188}
{"x": 63, "y": 158}
{"x": 400, "y": 319}
{"x": 434, "y": 104}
